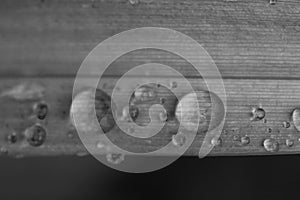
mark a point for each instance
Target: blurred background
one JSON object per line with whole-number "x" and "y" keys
{"x": 264, "y": 177}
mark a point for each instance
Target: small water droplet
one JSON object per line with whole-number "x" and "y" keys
{"x": 100, "y": 145}
{"x": 173, "y": 84}
{"x": 12, "y": 138}
{"x": 179, "y": 139}
{"x": 115, "y": 158}
{"x": 296, "y": 118}
{"x": 258, "y": 114}
{"x": 40, "y": 110}
{"x": 245, "y": 140}
{"x": 286, "y": 124}
{"x": 162, "y": 100}
{"x": 289, "y": 142}
{"x": 133, "y": 2}
{"x": 271, "y": 145}
{"x": 273, "y": 2}
{"x": 216, "y": 141}
{"x": 163, "y": 116}
{"x": 36, "y": 135}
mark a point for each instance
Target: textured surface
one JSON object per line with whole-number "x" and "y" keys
{"x": 255, "y": 45}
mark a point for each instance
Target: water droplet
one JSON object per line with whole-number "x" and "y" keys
{"x": 271, "y": 145}
{"x": 289, "y": 142}
{"x": 100, "y": 145}
{"x": 163, "y": 116}
{"x": 296, "y": 118}
{"x": 144, "y": 93}
{"x": 236, "y": 138}
{"x": 40, "y": 110}
{"x": 179, "y": 139}
{"x": 162, "y": 100}
{"x": 245, "y": 140}
{"x": 133, "y": 2}
{"x": 12, "y": 138}
{"x": 115, "y": 158}
{"x": 82, "y": 153}
{"x": 258, "y": 114}
{"x": 216, "y": 141}
{"x": 286, "y": 124}
{"x": 35, "y": 135}
{"x": 206, "y": 112}
{"x": 173, "y": 84}
{"x": 273, "y": 2}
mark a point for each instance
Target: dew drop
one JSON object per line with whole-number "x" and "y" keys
{"x": 245, "y": 140}
{"x": 115, "y": 158}
{"x": 173, "y": 84}
{"x": 179, "y": 139}
{"x": 12, "y": 138}
{"x": 271, "y": 145}
{"x": 216, "y": 141}
{"x": 289, "y": 142}
{"x": 35, "y": 135}
{"x": 258, "y": 114}
{"x": 296, "y": 118}
{"x": 286, "y": 124}
{"x": 40, "y": 110}
{"x": 133, "y": 2}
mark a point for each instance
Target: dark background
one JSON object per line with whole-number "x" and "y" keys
{"x": 68, "y": 177}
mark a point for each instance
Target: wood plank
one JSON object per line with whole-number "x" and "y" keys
{"x": 277, "y": 97}
{"x": 246, "y": 39}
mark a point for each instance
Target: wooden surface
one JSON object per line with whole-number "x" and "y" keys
{"x": 255, "y": 45}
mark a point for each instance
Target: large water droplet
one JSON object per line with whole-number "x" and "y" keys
{"x": 258, "y": 114}
{"x": 35, "y": 135}
{"x": 210, "y": 112}
{"x": 296, "y": 118}
{"x": 271, "y": 145}
{"x": 115, "y": 158}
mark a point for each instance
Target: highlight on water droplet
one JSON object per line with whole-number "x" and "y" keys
{"x": 271, "y": 145}
{"x": 257, "y": 114}
{"x": 286, "y": 124}
{"x": 115, "y": 158}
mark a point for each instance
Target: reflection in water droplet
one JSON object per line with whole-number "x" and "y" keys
{"x": 179, "y": 139}
{"x": 271, "y": 145}
{"x": 289, "y": 142}
{"x": 258, "y": 114}
{"x": 296, "y": 118}
{"x": 216, "y": 141}
{"x": 286, "y": 124}
{"x": 35, "y": 135}
{"x": 245, "y": 140}
{"x": 115, "y": 158}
